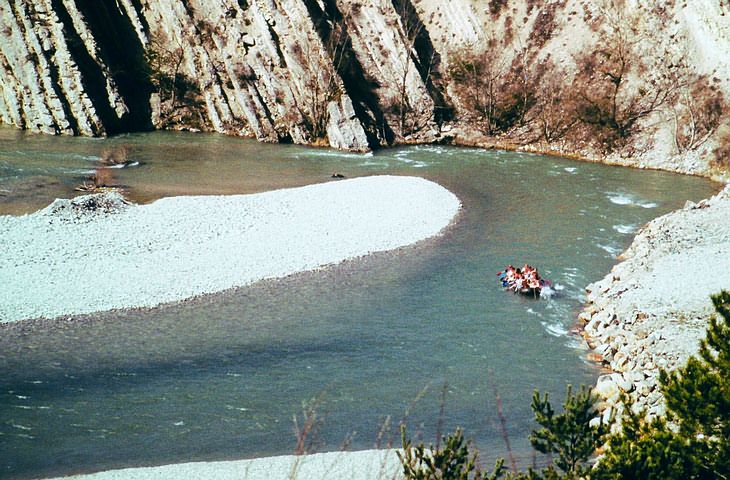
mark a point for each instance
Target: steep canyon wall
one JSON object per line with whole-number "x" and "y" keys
{"x": 361, "y": 74}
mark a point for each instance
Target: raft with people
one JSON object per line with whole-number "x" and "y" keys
{"x": 525, "y": 280}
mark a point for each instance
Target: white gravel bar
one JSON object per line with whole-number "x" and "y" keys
{"x": 362, "y": 465}
{"x": 97, "y": 253}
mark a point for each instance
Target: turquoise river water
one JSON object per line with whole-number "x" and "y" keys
{"x": 373, "y": 340}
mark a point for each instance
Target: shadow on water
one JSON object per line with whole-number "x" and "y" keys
{"x": 219, "y": 377}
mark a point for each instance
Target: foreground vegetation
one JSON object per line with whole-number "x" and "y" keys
{"x": 692, "y": 442}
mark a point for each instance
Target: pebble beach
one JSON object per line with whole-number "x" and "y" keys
{"x": 361, "y": 465}
{"x": 98, "y": 252}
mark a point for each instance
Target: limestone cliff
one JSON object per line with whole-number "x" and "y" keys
{"x": 361, "y": 74}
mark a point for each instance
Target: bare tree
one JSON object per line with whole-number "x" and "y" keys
{"x": 322, "y": 83}
{"x": 698, "y": 110}
{"x": 555, "y": 116}
{"x": 520, "y": 85}
{"x": 410, "y": 29}
{"x": 176, "y": 90}
{"x": 721, "y": 152}
{"x": 496, "y": 96}
{"x": 476, "y": 78}
{"x": 617, "y": 89}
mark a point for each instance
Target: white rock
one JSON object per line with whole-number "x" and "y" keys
{"x": 658, "y": 410}
{"x": 606, "y": 388}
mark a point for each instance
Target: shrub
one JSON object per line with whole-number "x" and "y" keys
{"x": 616, "y": 88}
{"x": 455, "y": 461}
{"x": 699, "y": 110}
{"x": 494, "y": 97}
{"x": 694, "y": 440}
{"x": 570, "y": 435}
{"x": 179, "y": 93}
{"x": 721, "y": 153}
{"x": 496, "y": 6}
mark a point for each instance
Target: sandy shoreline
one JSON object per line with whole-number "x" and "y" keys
{"x": 89, "y": 255}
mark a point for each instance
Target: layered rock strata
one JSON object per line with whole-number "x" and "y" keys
{"x": 344, "y": 73}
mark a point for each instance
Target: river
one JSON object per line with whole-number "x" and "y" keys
{"x": 394, "y": 336}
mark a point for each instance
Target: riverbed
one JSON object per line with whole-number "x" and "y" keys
{"x": 375, "y": 340}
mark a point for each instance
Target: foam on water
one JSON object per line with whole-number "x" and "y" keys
{"x": 622, "y": 198}
{"x": 90, "y": 158}
{"x": 370, "y": 163}
{"x": 122, "y": 165}
{"x": 401, "y": 157}
{"x": 437, "y": 149}
{"x": 611, "y": 249}
{"x": 333, "y": 153}
{"x": 556, "y": 330}
{"x": 625, "y": 229}
{"x": 547, "y": 293}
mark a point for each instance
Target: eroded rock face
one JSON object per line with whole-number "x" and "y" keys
{"x": 349, "y": 74}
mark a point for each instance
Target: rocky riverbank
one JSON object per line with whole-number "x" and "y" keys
{"x": 651, "y": 311}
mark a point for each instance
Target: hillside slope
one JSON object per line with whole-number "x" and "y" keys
{"x": 360, "y": 74}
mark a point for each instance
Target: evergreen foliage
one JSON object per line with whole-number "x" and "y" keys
{"x": 644, "y": 450}
{"x": 694, "y": 441}
{"x": 699, "y": 394}
{"x": 570, "y": 435}
{"x": 455, "y": 461}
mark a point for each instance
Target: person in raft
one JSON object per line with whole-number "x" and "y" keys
{"x": 507, "y": 276}
{"x": 520, "y": 278}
